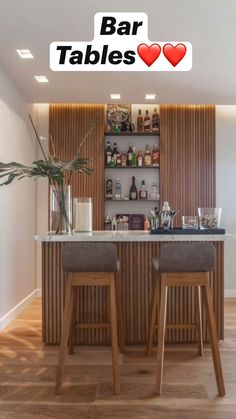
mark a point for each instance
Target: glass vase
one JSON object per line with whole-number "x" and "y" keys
{"x": 60, "y": 209}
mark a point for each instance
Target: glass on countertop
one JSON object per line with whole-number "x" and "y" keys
{"x": 209, "y": 217}
{"x": 190, "y": 221}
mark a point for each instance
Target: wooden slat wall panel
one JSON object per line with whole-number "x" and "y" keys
{"x": 136, "y": 286}
{"x": 187, "y": 157}
{"x": 68, "y": 123}
{"x": 187, "y": 181}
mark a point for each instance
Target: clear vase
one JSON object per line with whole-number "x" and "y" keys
{"x": 60, "y": 209}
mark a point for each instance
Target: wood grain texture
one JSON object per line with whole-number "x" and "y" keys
{"x": 187, "y": 176}
{"x": 28, "y": 370}
{"x": 187, "y": 157}
{"x": 136, "y": 288}
{"x": 68, "y": 123}
{"x": 187, "y": 181}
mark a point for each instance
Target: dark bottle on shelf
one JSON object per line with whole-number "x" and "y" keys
{"x": 155, "y": 121}
{"x": 109, "y": 189}
{"x": 130, "y": 154}
{"x": 143, "y": 191}
{"x": 115, "y": 153}
{"x": 133, "y": 193}
{"x": 139, "y": 121}
{"x": 108, "y": 154}
{"x": 155, "y": 156}
{"x": 147, "y": 122}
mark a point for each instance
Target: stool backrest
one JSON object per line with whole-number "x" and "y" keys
{"x": 89, "y": 257}
{"x": 187, "y": 257}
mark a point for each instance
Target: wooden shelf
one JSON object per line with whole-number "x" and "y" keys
{"x": 132, "y": 134}
{"x": 132, "y": 167}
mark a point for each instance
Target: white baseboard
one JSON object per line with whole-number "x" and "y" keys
{"x": 11, "y": 315}
{"x": 230, "y": 293}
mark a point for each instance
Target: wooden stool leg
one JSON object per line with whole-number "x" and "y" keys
{"x": 153, "y": 314}
{"x": 119, "y": 314}
{"x": 161, "y": 334}
{"x": 198, "y": 313}
{"x": 114, "y": 343}
{"x": 69, "y": 301}
{"x": 207, "y": 298}
{"x": 72, "y": 327}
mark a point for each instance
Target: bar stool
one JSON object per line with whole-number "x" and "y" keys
{"x": 184, "y": 264}
{"x": 89, "y": 264}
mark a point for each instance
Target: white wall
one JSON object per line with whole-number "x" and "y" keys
{"x": 226, "y": 186}
{"x": 41, "y": 120}
{"x": 17, "y": 203}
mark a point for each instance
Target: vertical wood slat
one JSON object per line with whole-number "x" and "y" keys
{"x": 68, "y": 123}
{"x": 187, "y": 181}
{"x": 135, "y": 297}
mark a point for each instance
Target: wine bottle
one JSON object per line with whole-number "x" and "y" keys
{"x": 143, "y": 191}
{"x": 130, "y": 154}
{"x": 133, "y": 193}
{"x": 155, "y": 121}
{"x": 155, "y": 156}
{"x": 147, "y": 157}
{"x": 134, "y": 158}
{"x": 123, "y": 159}
{"x": 140, "y": 159}
{"x": 139, "y": 121}
{"x": 109, "y": 188}
{"x": 108, "y": 154}
{"x": 114, "y": 154}
{"x": 147, "y": 122}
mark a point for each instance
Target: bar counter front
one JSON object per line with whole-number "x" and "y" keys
{"x": 135, "y": 251}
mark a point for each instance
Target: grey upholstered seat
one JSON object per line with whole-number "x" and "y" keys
{"x": 185, "y": 257}
{"x": 89, "y": 257}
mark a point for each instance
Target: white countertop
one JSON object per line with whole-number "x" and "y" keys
{"x": 130, "y": 236}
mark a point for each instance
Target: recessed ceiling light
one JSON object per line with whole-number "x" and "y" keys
{"x": 41, "y": 79}
{"x": 24, "y": 53}
{"x": 115, "y": 95}
{"x": 150, "y": 96}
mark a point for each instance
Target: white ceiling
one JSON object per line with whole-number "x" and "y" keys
{"x": 208, "y": 24}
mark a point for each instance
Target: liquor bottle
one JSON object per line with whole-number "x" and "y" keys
{"x": 155, "y": 121}
{"x": 114, "y": 224}
{"x": 140, "y": 159}
{"x": 147, "y": 122}
{"x": 130, "y": 154}
{"x": 107, "y": 223}
{"x": 155, "y": 156}
{"x": 114, "y": 154}
{"x": 134, "y": 158}
{"x": 118, "y": 159}
{"x": 109, "y": 189}
{"x": 117, "y": 190}
{"x": 133, "y": 193}
{"x": 139, "y": 121}
{"x": 108, "y": 154}
{"x": 123, "y": 159}
{"x": 147, "y": 157}
{"x": 143, "y": 191}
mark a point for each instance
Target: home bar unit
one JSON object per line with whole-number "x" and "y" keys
{"x": 186, "y": 179}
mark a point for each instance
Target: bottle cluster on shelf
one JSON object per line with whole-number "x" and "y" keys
{"x": 148, "y": 124}
{"x": 147, "y": 158}
{"x": 113, "y": 191}
{"x": 128, "y": 222}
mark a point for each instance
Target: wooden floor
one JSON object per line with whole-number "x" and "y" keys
{"x": 27, "y": 376}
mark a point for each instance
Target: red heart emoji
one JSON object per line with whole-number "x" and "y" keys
{"x": 174, "y": 54}
{"x": 149, "y": 54}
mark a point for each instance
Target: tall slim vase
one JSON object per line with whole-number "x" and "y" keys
{"x": 60, "y": 209}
